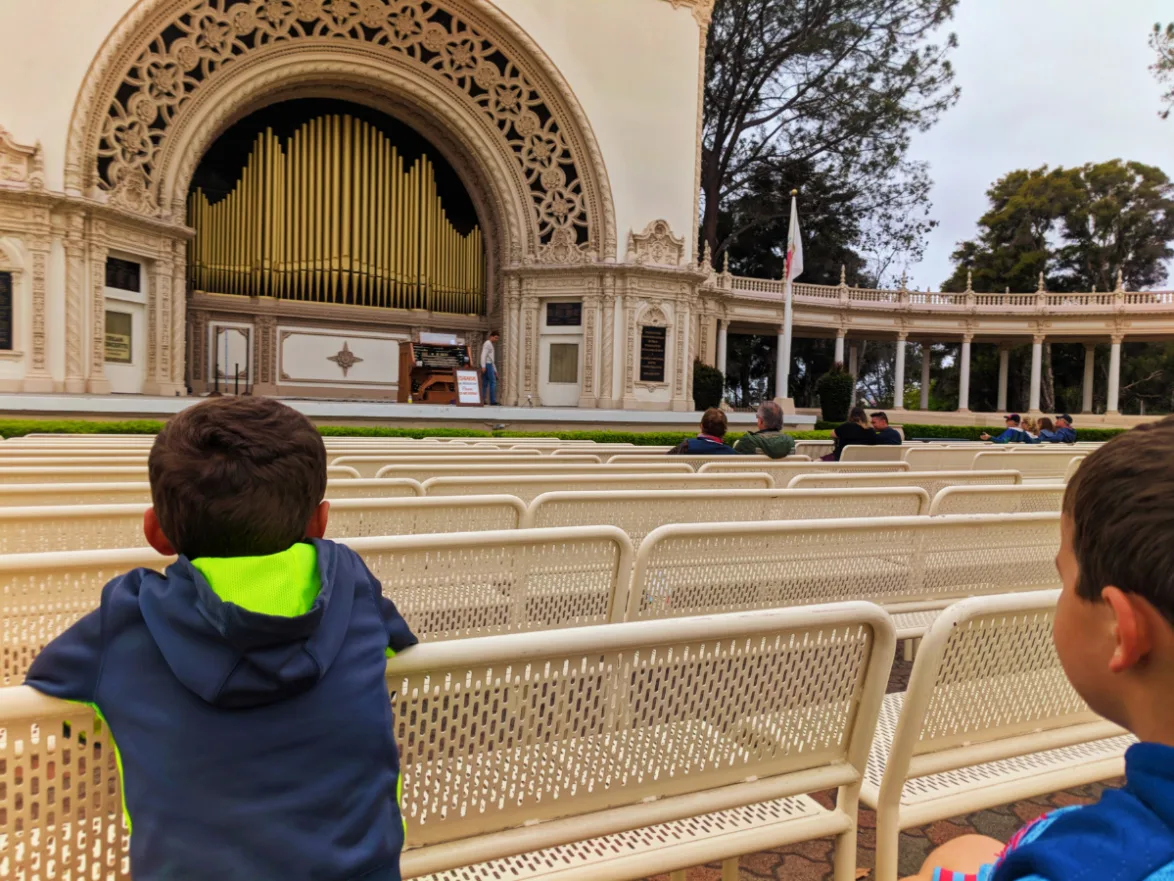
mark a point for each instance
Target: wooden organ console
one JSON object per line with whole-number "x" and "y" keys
{"x": 428, "y": 373}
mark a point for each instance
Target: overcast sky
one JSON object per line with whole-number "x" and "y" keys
{"x": 1055, "y": 82}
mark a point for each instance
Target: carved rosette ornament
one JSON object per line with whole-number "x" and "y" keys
{"x": 656, "y": 246}
{"x": 204, "y": 36}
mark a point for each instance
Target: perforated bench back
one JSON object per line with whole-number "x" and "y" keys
{"x": 527, "y": 488}
{"x": 935, "y": 458}
{"x": 546, "y": 468}
{"x": 1023, "y": 499}
{"x": 784, "y": 472}
{"x": 639, "y": 512}
{"x": 932, "y": 482}
{"x": 1032, "y": 465}
{"x": 855, "y": 454}
{"x": 693, "y": 569}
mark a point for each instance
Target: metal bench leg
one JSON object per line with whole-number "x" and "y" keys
{"x": 730, "y": 870}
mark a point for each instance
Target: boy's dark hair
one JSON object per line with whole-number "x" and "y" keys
{"x": 1121, "y": 506}
{"x": 881, "y": 414}
{"x": 237, "y": 477}
{"x": 713, "y": 422}
{"x": 493, "y": 333}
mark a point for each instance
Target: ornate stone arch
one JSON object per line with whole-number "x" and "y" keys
{"x": 167, "y": 54}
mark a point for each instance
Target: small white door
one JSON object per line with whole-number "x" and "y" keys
{"x": 560, "y": 376}
{"x": 126, "y": 347}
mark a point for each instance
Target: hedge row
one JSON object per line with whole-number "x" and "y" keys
{"x": 21, "y": 427}
{"x": 974, "y": 432}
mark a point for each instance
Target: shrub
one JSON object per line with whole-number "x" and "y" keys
{"x": 836, "y": 389}
{"x": 975, "y": 432}
{"x": 708, "y": 385}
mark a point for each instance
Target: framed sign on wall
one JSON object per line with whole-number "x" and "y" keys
{"x": 468, "y": 388}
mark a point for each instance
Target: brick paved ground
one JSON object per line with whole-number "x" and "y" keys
{"x": 812, "y": 861}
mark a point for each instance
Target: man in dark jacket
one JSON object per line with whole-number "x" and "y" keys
{"x": 1013, "y": 435}
{"x": 245, "y": 687}
{"x": 1064, "y": 433}
{"x": 709, "y": 442}
{"x": 769, "y": 439}
{"x": 886, "y": 435}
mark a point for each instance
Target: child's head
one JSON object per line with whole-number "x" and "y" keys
{"x": 1114, "y": 629}
{"x": 236, "y": 477}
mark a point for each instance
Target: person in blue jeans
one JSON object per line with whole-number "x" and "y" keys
{"x": 489, "y": 369}
{"x": 1114, "y": 635}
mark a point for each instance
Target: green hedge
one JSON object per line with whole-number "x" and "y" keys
{"x": 21, "y": 427}
{"x": 974, "y": 432}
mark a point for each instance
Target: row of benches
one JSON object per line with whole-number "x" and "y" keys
{"x": 462, "y": 585}
{"x": 626, "y": 750}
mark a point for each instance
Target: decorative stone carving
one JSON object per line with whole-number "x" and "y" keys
{"x": 656, "y": 246}
{"x": 345, "y": 358}
{"x": 450, "y": 40}
{"x": 21, "y": 167}
{"x": 653, "y": 316}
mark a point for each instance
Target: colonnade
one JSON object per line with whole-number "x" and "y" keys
{"x": 964, "y": 357}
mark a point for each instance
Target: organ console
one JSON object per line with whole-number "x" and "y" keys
{"x": 428, "y": 373}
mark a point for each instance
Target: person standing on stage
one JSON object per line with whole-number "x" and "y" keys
{"x": 489, "y": 369}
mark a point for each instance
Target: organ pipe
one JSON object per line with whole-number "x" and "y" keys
{"x": 334, "y": 214}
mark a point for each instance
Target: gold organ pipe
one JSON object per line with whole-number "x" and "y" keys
{"x": 335, "y": 214}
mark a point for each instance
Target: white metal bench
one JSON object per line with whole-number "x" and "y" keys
{"x": 1034, "y": 465}
{"x": 638, "y": 512}
{"x": 543, "y": 469}
{"x": 1022, "y": 499}
{"x": 527, "y": 488}
{"x": 932, "y": 482}
{"x": 989, "y": 718}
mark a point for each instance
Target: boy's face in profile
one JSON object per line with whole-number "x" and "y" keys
{"x": 1084, "y": 635}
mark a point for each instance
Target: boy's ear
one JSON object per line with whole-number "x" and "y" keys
{"x": 1132, "y": 628}
{"x": 316, "y": 528}
{"x": 154, "y": 534}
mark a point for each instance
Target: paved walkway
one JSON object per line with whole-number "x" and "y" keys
{"x": 812, "y": 861}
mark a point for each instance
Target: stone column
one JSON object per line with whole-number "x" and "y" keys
{"x": 75, "y": 308}
{"x": 588, "y": 389}
{"x": 512, "y": 374}
{"x": 178, "y": 327}
{"x": 1090, "y": 353}
{"x": 838, "y": 357}
{"x": 607, "y": 349}
{"x": 899, "y": 374}
{"x": 158, "y": 375}
{"x": 964, "y": 375}
{"x": 1004, "y": 366}
{"x": 1114, "y": 375}
{"x": 782, "y": 368}
{"x": 265, "y": 355}
{"x": 853, "y": 358}
{"x": 530, "y": 354}
{"x": 682, "y": 398}
{"x": 37, "y": 377}
{"x": 97, "y": 383}
{"x": 723, "y": 328}
{"x": 1037, "y": 362}
{"x": 926, "y": 366}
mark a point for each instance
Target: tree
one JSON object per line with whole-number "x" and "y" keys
{"x": 836, "y": 86}
{"x": 1162, "y": 42}
{"x": 1080, "y": 228}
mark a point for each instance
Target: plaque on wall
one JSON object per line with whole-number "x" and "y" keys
{"x": 6, "y": 311}
{"x": 652, "y": 351}
{"x": 119, "y": 334}
{"x": 564, "y": 314}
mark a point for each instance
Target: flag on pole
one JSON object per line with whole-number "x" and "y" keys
{"x": 794, "y": 245}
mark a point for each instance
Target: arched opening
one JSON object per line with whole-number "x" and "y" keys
{"x": 320, "y": 200}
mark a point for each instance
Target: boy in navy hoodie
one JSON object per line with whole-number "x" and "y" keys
{"x": 1114, "y": 633}
{"x": 244, "y": 688}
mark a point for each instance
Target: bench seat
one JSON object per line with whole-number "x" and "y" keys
{"x": 981, "y": 786}
{"x": 662, "y": 848}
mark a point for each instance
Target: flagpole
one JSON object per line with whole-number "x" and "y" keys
{"x": 783, "y": 368}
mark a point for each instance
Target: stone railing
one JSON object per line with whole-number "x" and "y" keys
{"x": 936, "y": 301}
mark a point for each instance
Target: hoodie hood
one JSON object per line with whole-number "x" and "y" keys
{"x": 206, "y": 619}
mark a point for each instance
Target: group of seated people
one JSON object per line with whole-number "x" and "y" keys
{"x": 1025, "y": 430}
{"x": 768, "y": 439}
{"x": 863, "y": 430}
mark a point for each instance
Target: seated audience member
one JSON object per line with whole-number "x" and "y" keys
{"x": 769, "y": 439}
{"x": 230, "y": 676}
{"x": 854, "y": 432}
{"x": 886, "y": 436}
{"x": 1030, "y": 428}
{"x": 1047, "y": 431}
{"x": 709, "y": 442}
{"x": 1114, "y": 634}
{"x": 1065, "y": 433}
{"x": 1013, "y": 435}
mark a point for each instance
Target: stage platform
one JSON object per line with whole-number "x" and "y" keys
{"x": 364, "y": 413}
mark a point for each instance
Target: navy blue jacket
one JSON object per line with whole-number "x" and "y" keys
{"x": 702, "y": 446}
{"x": 253, "y": 747}
{"x": 1127, "y": 836}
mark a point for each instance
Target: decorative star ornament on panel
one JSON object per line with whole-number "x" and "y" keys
{"x": 346, "y": 359}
